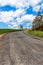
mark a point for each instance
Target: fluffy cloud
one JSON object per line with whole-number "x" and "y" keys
{"x": 36, "y": 8}
{"x": 13, "y": 25}
{"x": 14, "y": 18}
{"x": 8, "y": 16}
{"x": 27, "y": 17}
{"x": 19, "y": 3}
{"x": 34, "y": 2}
{"x": 24, "y": 19}
{"x": 16, "y": 3}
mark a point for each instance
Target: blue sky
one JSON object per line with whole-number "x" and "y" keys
{"x": 16, "y": 12}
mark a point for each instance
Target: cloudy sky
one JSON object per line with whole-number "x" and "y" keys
{"x": 16, "y": 12}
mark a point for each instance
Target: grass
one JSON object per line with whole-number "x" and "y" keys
{"x": 35, "y": 33}
{"x": 2, "y": 31}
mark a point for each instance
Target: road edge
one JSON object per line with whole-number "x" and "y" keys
{"x": 35, "y": 37}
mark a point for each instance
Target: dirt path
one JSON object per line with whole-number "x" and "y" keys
{"x": 17, "y": 48}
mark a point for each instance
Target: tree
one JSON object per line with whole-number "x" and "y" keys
{"x": 20, "y": 27}
{"x": 38, "y": 22}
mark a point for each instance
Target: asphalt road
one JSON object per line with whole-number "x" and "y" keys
{"x": 18, "y": 48}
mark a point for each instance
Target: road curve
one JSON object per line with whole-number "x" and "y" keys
{"x": 18, "y": 48}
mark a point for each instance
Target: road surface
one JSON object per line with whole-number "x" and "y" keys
{"x": 18, "y": 48}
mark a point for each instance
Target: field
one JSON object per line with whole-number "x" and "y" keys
{"x": 35, "y": 33}
{"x": 2, "y": 31}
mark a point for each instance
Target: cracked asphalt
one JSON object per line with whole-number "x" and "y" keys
{"x": 18, "y": 48}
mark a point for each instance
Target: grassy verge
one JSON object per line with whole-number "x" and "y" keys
{"x": 35, "y": 33}
{"x": 2, "y": 31}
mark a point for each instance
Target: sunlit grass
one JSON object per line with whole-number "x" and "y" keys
{"x": 35, "y": 33}
{"x": 2, "y": 31}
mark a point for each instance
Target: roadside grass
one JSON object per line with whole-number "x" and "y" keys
{"x": 2, "y": 31}
{"x": 35, "y": 33}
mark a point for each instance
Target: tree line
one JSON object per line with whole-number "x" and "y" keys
{"x": 38, "y": 22}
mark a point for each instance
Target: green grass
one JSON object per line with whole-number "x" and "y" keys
{"x": 35, "y": 33}
{"x": 2, "y": 31}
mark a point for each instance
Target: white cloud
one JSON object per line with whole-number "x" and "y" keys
{"x": 42, "y": 6}
{"x": 22, "y": 20}
{"x": 19, "y": 3}
{"x": 34, "y": 2}
{"x": 36, "y": 8}
{"x": 19, "y": 12}
{"x": 27, "y": 17}
{"x": 8, "y": 16}
{"x": 14, "y": 25}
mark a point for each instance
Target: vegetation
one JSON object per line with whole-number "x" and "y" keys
{"x": 20, "y": 27}
{"x": 38, "y": 22}
{"x": 37, "y": 33}
{"x": 7, "y": 30}
{"x": 37, "y": 28}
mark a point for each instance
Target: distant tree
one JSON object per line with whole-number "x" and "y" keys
{"x": 20, "y": 27}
